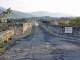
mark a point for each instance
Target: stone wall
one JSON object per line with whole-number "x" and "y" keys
{"x": 21, "y": 29}
{"x": 60, "y": 30}
{"x": 26, "y": 26}
{"x": 14, "y": 30}
{"x": 27, "y": 30}
{"x": 5, "y": 35}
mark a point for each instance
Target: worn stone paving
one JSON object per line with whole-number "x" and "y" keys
{"x": 42, "y": 46}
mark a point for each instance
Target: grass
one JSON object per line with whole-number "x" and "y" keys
{"x": 19, "y": 39}
{"x": 3, "y": 45}
{"x": 1, "y": 50}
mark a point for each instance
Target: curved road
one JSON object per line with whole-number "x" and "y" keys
{"x": 42, "y": 46}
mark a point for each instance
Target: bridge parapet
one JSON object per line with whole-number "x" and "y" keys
{"x": 5, "y": 35}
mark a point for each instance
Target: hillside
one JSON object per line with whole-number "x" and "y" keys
{"x": 44, "y": 13}
{"x": 17, "y": 14}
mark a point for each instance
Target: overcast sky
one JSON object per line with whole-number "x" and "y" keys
{"x": 62, "y": 6}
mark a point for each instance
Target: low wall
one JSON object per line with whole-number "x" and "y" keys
{"x": 5, "y": 35}
{"x": 22, "y": 28}
{"x": 60, "y": 30}
{"x": 14, "y": 30}
{"x": 26, "y": 26}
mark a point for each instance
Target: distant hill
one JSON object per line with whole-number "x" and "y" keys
{"x": 1, "y": 9}
{"x": 44, "y": 13}
{"x": 45, "y": 18}
{"x": 17, "y": 14}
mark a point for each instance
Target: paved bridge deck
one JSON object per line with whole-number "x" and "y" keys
{"x": 42, "y": 46}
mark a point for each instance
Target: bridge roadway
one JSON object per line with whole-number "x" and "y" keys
{"x": 42, "y": 46}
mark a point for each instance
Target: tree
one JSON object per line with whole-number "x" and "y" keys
{"x": 0, "y": 21}
{"x": 10, "y": 21}
{"x": 72, "y": 23}
{"x": 75, "y": 22}
{"x": 5, "y": 14}
{"x": 47, "y": 22}
{"x": 64, "y": 23}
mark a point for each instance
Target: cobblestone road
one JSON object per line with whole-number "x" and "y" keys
{"x": 42, "y": 46}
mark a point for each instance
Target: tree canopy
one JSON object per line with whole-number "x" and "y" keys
{"x": 75, "y": 22}
{"x": 64, "y": 23}
{"x": 47, "y": 22}
{"x": 72, "y": 22}
{"x": 17, "y": 20}
{"x": 5, "y": 14}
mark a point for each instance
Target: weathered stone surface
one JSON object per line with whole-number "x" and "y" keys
{"x": 60, "y": 30}
{"x": 42, "y": 46}
{"x": 14, "y": 30}
{"x": 5, "y": 35}
{"x": 26, "y": 26}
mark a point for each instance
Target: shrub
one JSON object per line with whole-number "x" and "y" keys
{"x": 64, "y": 23}
{"x": 19, "y": 39}
{"x": 47, "y": 22}
{"x": 1, "y": 50}
{"x": 75, "y": 22}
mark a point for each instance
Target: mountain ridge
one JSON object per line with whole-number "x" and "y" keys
{"x": 45, "y": 13}
{"x": 18, "y": 14}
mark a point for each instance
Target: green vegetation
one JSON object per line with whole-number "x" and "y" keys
{"x": 19, "y": 39}
{"x": 3, "y": 45}
{"x": 10, "y": 21}
{"x": 5, "y": 14}
{"x": 47, "y": 22}
{"x": 1, "y": 50}
{"x": 64, "y": 23}
{"x": 73, "y": 22}
{"x": 16, "y": 20}
{"x": 0, "y": 21}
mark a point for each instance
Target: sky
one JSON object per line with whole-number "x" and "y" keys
{"x": 54, "y": 6}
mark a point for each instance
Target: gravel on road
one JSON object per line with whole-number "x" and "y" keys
{"x": 42, "y": 46}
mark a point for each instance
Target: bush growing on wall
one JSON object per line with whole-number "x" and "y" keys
{"x": 75, "y": 22}
{"x": 47, "y": 22}
{"x": 64, "y": 23}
